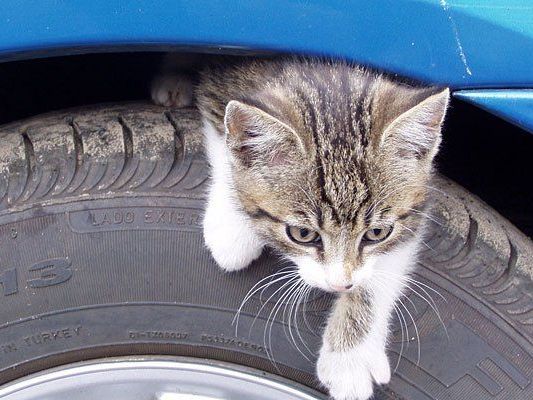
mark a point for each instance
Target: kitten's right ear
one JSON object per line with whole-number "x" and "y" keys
{"x": 416, "y": 133}
{"x": 255, "y": 136}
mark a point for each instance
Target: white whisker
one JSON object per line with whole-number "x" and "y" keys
{"x": 290, "y": 303}
{"x": 402, "y": 340}
{"x": 420, "y": 285}
{"x": 301, "y": 291}
{"x": 274, "y": 313}
{"x": 306, "y": 321}
{"x": 257, "y": 287}
{"x": 416, "y": 330}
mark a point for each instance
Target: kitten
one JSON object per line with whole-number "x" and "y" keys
{"x": 327, "y": 163}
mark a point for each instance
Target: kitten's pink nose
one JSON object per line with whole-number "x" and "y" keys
{"x": 339, "y": 288}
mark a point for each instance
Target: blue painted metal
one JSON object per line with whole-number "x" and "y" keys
{"x": 461, "y": 43}
{"x": 515, "y": 106}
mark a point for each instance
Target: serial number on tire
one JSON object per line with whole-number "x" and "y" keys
{"x": 203, "y": 337}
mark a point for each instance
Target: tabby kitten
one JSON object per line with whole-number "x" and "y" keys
{"x": 328, "y": 163}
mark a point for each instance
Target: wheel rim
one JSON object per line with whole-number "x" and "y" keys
{"x": 154, "y": 378}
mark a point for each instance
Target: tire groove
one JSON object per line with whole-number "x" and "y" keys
{"x": 127, "y": 137}
{"x": 456, "y": 262}
{"x": 506, "y": 272}
{"x": 147, "y": 178}
{"x": 79, "y": 153}
{"x": 52, "y": 186}
{"x": 178, "y": 149}
{"x": 7, "y": 180}
{"x": 31, "y": 166}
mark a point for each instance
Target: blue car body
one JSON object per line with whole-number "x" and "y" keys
{"x": 480, "y": 48}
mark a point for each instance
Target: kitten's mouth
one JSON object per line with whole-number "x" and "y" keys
{"x": 340, "y": 288}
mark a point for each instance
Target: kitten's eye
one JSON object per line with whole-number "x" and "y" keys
{"x": 377, "y": 234}
{"x": 302, "y": 235}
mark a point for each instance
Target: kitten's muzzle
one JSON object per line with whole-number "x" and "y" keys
{"x": 338, "y": 288}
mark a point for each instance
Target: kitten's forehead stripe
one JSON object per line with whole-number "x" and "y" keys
{"x": 335, "y": 116}
{"x": 313, "y": 121}
{"x": 319, "y": 217}
{"x": 259, "y": 213}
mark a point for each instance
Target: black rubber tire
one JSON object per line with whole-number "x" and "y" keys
{"x": 101, "y": 254}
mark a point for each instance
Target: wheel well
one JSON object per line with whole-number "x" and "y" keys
{"x": 485, "y": 154}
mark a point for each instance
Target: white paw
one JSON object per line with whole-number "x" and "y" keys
{"x": 229, "y": 235}
{"x": 349, "y": 375}
{"x": 172, "y": 91}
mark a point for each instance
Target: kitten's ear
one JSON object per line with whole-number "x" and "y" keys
{"x": 254, "y": 135}
{"x": 416, "y": 132}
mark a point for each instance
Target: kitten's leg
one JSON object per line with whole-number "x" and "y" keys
{"x": 172, "y": 87}
{"x": 172, "y": 90}
{"x": 353, "y": 355}
{"x": 228, "y": 231}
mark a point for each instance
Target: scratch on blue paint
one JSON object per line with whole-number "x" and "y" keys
{"x": 460, "y": 50}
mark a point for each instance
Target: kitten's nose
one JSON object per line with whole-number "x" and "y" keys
{"x": 338, "y": 288}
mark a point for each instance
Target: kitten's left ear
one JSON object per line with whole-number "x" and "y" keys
{"x": 416, "y": 132}
{"x": 255, "y": 136}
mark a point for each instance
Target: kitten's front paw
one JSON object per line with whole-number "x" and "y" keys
{"x": 349, "y": 375}
{"x": 172, "y": 91}
{"x": 229, "y": 237}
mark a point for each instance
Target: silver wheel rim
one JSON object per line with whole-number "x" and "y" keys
{"x": 154, "y": 378}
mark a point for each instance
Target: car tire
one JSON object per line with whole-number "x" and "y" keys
{"x": 101, "y": 255}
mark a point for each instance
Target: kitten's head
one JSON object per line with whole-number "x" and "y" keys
{"x": 332, "y": 164}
